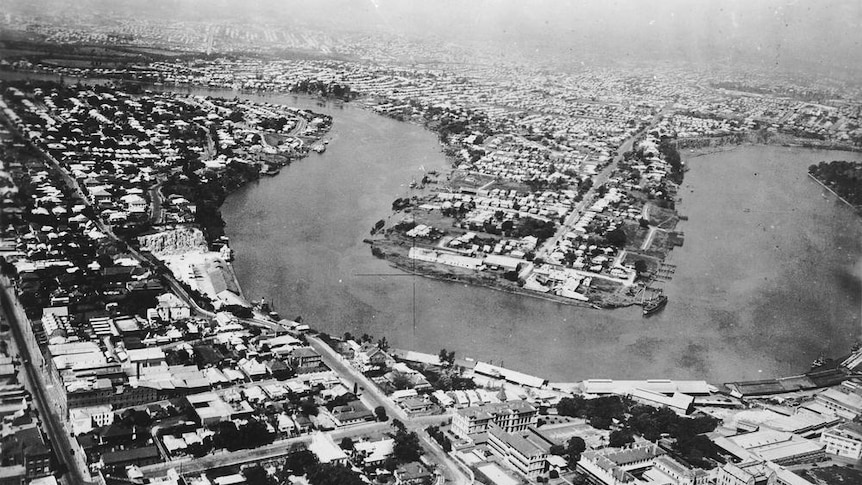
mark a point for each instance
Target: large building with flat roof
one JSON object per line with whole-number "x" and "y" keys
{"x": 526, "y": 452}
{"x": 842, "y": 401}
{"x": 779, "y": 447}
{"x": 660, "y": 386}
{"x": 209, "y": 408}
{"x": 844, "y": 440}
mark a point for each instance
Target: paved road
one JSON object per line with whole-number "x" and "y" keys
{"x": 648, "y": 240}
{"x": 373, "y": 393}
{"x": 370, "y": 391}
{"x": 268, "y": 452}
{"x": 51, "y": 423}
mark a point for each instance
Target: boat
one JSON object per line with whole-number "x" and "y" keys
{"x": 654, "y": 305}
{"x": 819, "y": 362}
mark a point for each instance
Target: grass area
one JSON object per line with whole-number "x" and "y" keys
{"x": 635, "y": 234}
{"x": 473, "y": 181}
{"x": 652, "y": 262}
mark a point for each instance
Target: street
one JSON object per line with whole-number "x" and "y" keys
{"x": 274, "y": 450}
{"x": 52, "y": 424}
{"x": 371, "y": 392}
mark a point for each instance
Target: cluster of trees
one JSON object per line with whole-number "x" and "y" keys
{"x": 671, "y": 156}
{"x": 844, "y": 177}
{"x": 440, "y": 437}
{"x": 273, "y": 124}
{"x": 448, "y": 380}
{"x": 572, "y": 451}
{"x": 325, "y": 89}
{"x": 304, "y": 462}
{"x": 251, "y": 435}
{"x": 600, "y": 411}
{"x": 407, "y": 448}
{"x": 687, "y": 433}
{"x": 447, "y": 358}
{"x": 651, "y": 423}
{"x": 529, "y": 226}
{"x": 616, "y": 237}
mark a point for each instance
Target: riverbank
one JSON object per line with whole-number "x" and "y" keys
{"x": 842, "y": 199}
{"x": 396, "y": 256}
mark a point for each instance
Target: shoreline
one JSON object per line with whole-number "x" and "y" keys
{"x": 503, "y": 289}
{"x": 842, "y": 199}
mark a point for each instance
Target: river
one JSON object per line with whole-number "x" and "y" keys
{"x": 758, "y": 293}
{"x": 767, "y": 280}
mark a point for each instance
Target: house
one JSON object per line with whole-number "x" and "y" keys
{"x": 305, "y": 358}
{"x": 413, "y": 473}
{"x": 369, "y": 356}
{"x": 145, "y": 455}
{"x": 83, "y": 419}
{"x": 374, "y": 453}
{"x": 351, "y": 413}
{"x": 416, "y": 405}
{"x": 326, "y": 450}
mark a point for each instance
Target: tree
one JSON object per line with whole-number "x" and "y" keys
{"x": 299, "y": 462}
{"x": 574, "y": 448}
{"x": 558, "y": 450}
{"x": 380, "y": 413}
{"x": 400, "y": 380}
{"x": 619, "y": 438}
{"x": 447, "y": 359}
{"x": 347, "y": 443}
{"x": 600, "y": 422}
{"x": 616, "y": 237}
{"x": 382, "y": 344}
{"x": 333, "y": 474}
{"x": 255, "y": 475}
{"x": 640, "y": 267}
{"x": 407, "y": 447}
{"x": 308, "y": 407}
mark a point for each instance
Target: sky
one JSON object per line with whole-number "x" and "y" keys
{"x": 803, "y": 34}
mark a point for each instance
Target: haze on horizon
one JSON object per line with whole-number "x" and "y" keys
{"x": 820, "y": 37}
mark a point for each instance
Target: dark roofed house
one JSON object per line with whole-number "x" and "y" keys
{"x": 118, "y": 274}
{"x": 417, "y": 405}
{"x": 305, "y": 358}
{"x": 26, "y": 447}
{"x": 414, "y": 473}
{"x": 146, "y": 455}
{"x": 351, "y": 413}
{"x": 278, "y": 369}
